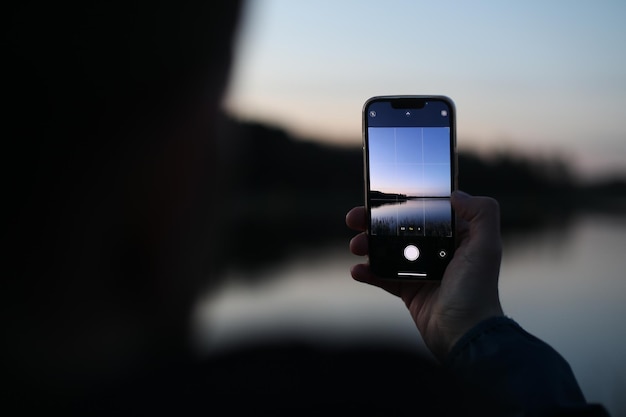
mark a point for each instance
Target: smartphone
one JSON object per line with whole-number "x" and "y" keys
{"x": 410, "y": 160}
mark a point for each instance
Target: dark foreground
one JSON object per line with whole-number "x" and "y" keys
{"x": 280, "y": 377}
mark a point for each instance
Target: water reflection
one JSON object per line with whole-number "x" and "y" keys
{"x": 567, "y": 289}
{"x": 413, "y": 216}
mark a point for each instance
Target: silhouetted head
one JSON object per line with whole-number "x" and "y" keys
{"x": 109, "y": 164}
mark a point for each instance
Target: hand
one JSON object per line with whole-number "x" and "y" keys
{"x": 468, "y": 292}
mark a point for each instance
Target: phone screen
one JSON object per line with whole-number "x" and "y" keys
{"x": 410, "y": 160}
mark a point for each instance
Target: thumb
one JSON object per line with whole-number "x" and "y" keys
{"x": 482, "y": 214}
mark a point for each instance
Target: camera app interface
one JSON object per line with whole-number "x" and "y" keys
{"x": 410, "y": 181}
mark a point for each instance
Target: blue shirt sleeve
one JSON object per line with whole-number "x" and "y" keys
{"x": 520, "y": 373}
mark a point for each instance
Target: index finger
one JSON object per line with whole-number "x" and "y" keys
{"x": 356, "y": 219}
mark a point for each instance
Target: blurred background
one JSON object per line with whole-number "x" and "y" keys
{"x": 539, "y": 89}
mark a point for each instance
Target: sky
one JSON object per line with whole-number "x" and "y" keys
{"x": 397, "y": 158}
{"x": 544, "y": 78}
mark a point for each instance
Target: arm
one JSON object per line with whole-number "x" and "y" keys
{"x": 518, "y": 371}
{"x": 462, "y": 322}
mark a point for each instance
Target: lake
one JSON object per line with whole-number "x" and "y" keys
{"x": 567, "y": 286}
{"x": 413, "y": 216}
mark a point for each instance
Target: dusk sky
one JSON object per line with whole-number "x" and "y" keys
{"x": 410, "y": 160}
{"x": 538, "y": 77}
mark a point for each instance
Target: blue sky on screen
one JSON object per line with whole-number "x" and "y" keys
{"x": 411, "y": 161}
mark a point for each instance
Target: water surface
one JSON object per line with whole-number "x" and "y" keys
{"x": 566, "y": 286}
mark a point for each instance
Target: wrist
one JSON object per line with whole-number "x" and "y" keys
{"x": 456, "y": 329}
{"x": 463, "y": 332}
